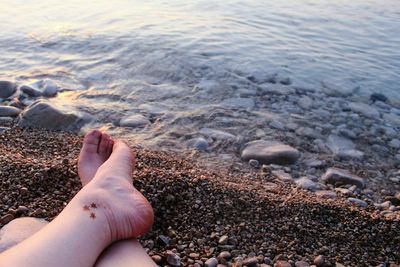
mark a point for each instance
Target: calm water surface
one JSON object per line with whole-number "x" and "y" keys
{"x": 119, "y": 55}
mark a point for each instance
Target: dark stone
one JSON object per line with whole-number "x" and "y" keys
{"x": 378, "y": 97}
{"x": 7, "y": 89}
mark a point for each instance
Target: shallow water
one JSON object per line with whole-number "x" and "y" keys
{"x": 184, "y": 64}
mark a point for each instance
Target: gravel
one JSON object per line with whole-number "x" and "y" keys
{"x": 195, "y": 207}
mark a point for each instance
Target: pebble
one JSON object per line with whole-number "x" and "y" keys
{"x": 223, "y": 240}
{"x": 365, "y": 110}
{"x": 199, "y": 143}
{"x": 251, "y": 262}
{"x": 305, "y": 102}
{"x": 358, "y": 202}
{"x": 267, "y": 152}
{"x": 211, "y": 262}
{"x": 42, "y": 114}
{"x": 163, "y": 240}
{"x": 343, "y": 147}
{"x": 319, "y": 260}
{"x": 384, "y": 205}
{"x": 8, "y": 111}
{"x": 282, "y": 175}
{"x": 7, "y": 89}
{"x": 7, "y": 218}
{"x": 216, "y": 134}
{"x": 225, "y": 255}
{"x": 282, "y": 264}
{"x": 134, "y": 121}
{"x": 339, "y": 87}
{"x": 30, "y": 91}
{"x": 395, "y": 143}
{"x": 338, "y": 176}
{"x": 306, "y": 183}
{"x": 301, "y": 264}
{"x": 378, "y": 97}
{"x": 50, "y": 88}
{"x": 3, "y": 129}
{"x": 254, "y": 163}
{"x": 157, "y": 259}
{"x": 173, "y": 258}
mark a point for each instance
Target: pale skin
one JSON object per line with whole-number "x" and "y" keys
{"x": 99, "y": 225}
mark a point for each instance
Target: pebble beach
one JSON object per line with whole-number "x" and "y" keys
{"x": 203, "y": 217}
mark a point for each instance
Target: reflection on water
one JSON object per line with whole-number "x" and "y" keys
{"x": 187, "y": 57}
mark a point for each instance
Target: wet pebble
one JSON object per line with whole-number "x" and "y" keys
{"x": 198, "y": 143}
{"x": 9, "y": 111}
{"x": 136, "y": 120}
{"x": 339, "y": 177}
{"x": 306, "y": 183}
{"x": 30, "y": 91}
{"x": 7, "y": 89}
{"x": 267, "y": 152}
{"x": 281, "y": 263}
{"x": 319, "y": 260}
{"x": 358, "y": 202}
{"x": 251, "y": 262}
{"x": 173, "y": 259}
{"x": 326, "y": 194}
{"x": 211, "y": 262}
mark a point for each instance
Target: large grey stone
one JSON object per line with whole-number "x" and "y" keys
{"x": 267, "y": 152}
{"x": 8, "y": 111}
{"x": 7, "y": 89}
{"x": 216, "y": 134}
{"x": 276, "y": 89}
{"x": 338, "y": 176}
{"x": 339, "y": 87}
{"x": 198, "y": 143}
{"x": 42, "y": 114}
{"x": 18, "y": 230}
{"x": 343, "y": 147}
{"x": 136, "y": 120}
{"x": 365, "y": 110}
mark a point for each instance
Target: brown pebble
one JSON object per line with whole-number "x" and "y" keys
{"x": 282, "y": 264}
{"x": 7, "y": 218}
{"x": 157, "y": 259}
{"x": 251, "y": 262}
{"x": 319, "y": 260}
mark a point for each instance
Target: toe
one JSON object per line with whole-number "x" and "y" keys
{"x": 91, "y": 141}
{"x": 103, "y": 145}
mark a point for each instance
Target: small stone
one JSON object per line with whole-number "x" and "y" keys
{"x": 254, "y": 163}
{"x": 8, "y": 111}
{"x": 384, "y": 205}
{"x": 23, "y": 191}
{"x": 267, "y": 152}
{"x": 225, "y": 255}
{"x": 211, "y": 262}
{"x": 337, "y": 264}
{"x": 216, "y": 134}
{"x": 223, "y": 240}
{"x": 283, "y": 176}
{"x": 339, "y": 87}
{"x": 281, "y": 263}
{"x": 173, "y": 259}
{"x": 198, "y": 143}
{"x": 305, "y": 102}
{"x": 301, "y": 264}
{"x": 30, "y": 91}
{"x": 395, "y": 143}
{"x": 134, "y": 121}
{"x": 378, "y": 97}
{"x": 306, "y": 183}
{"x": 341, "y": 177}
{"x": 319, "y": 260}
{"x": 163, "y": 240}
{"x": 194, "y": 255}
{"x": 343, "y": 147}
{"x": 7, "y": 89}
{"x": 251, "y": 262}
{"x": 50, "y": 88}
{"x": 365, "y": 110}
{"x": 157, "y": 259}
{"x": 358, "y": 202}
{"x": 22, "y": 209}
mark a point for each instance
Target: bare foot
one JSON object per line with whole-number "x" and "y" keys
{"x": 110, "y": 191}
{"x": 96, "y": 149}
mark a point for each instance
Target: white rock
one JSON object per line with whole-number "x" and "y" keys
{"x": 270, "y": 152}
{"x": 216, "y": 134}
{"x": 134, "y": 121}
{"x": 306, "y": 183}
